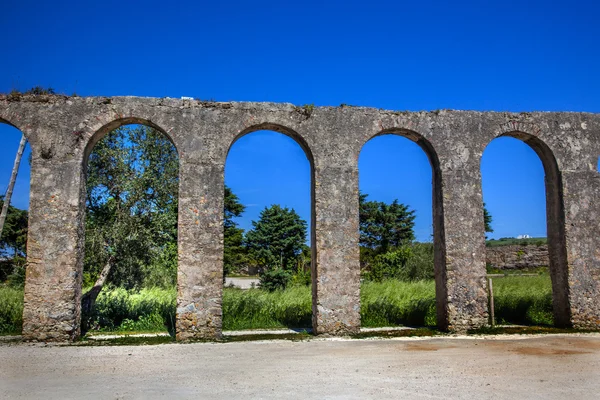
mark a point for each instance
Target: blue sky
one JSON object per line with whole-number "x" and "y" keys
{"x": 508, "y": 55}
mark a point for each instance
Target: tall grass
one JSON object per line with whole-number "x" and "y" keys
{"x": 256, "y": 308}
{"x": 518, "y": 300}
{"x": 524, "y": 300}
{"x": 392, "y": 302}
{"x": 150, "y": 310}
{"x": 11, "y": 310}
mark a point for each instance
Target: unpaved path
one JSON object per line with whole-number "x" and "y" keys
{"x": 242, "y": 283}
{"x": 549, "y": 367}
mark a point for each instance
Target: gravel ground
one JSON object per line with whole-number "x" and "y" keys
{"x": 541, "y": 367}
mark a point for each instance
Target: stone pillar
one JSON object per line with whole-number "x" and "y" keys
{"x": 52, "y": 304}
{"x": 200, "y": 242}
{"x": 462, "y": 301}
{"x": 336, "y": 267}
{"x": 582, "y": 222}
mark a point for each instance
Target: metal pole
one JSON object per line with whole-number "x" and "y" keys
{"x": 491, "y": 295}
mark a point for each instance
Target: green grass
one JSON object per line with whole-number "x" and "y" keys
{"x": 518, "y": 299}
{"x": 258, "y": 309}
{"x": 147, "y": 310}
{"x": 524, "y": 300}
{"x": 11, "y": 310}
{"x": 392, "y": 303}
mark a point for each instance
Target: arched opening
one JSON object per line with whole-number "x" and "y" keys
{"x": 14, "y": 206}
{"x": 268, "y": 231}
{"x": 526, "y": 252}
{"x": 401, "y": 232}
{"x": 131, "y": 211}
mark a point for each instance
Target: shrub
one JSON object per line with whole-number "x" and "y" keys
{"x": 274, "y": 278}
{"x": 120, "y": 309}
{"x": 11, "y": 310}
{"x": 407, "y": 263}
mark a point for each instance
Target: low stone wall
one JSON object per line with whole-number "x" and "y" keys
{"x": 517, "y": 256}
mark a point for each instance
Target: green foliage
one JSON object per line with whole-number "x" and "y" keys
{"x": 14, "y": 233}
{"x": 39, "y": 90}
{"x": 138, "y": 310}
{"x": 487, "y": 219}
{"x": 392, "y": 302}
{"x": 410, "y": 262}
{"x": 276, "y": 278}
{"x": 525, "y": 300}
{"x": 275, "y": 243}
{"x": 420, "y": 265}
{"x": 389, "y": 265}
{"x": 11, "y": 310}
{"x": 256, "y": 309}
{"x": 518, "y": 300}
{"x": 384, "y": 226}
{"x": 235, "y": 255}
{"x": 131, "y": 209}
{"x": 13, "y": 245}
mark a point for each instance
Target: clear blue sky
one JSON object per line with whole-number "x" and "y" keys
{"x": 506, "y": 55}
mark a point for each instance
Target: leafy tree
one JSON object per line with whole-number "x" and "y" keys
{"x": 275, "y": 242}
{"x": 14, "y": 235}
{"x": 11, "y": 183}
{"x": 131, "y": 209}
{"x": 234, "y": 255}
{"x": 384, "y": 226}
{"x": 13, "y": 243}
{"x": 391, "y": 264}
{"x": 487, "y": 218}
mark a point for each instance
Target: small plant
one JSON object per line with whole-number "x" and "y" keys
{"x": 274, "y": 278}
{"x": 306, "y": 110}
{"x": 39, "y": 90}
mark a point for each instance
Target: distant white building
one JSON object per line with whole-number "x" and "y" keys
{"x": 523, "y": 237}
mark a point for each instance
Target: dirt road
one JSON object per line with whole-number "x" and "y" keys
{"x": 550, "y": 367}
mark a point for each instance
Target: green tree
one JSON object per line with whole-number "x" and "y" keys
{"x": 234, "y": 256}
{"x": 13, "y": 243}
{"x": 275, "y": 242}
{"x": 487, "y": 219}
{"x": 384, "y": 226}
{"x": 13, "y": 240}
{"x": 131, "y": 209}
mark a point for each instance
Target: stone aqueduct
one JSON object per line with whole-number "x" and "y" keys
{"x": 62, "y": 131}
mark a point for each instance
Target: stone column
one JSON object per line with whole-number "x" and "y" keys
{"x": 200, "y": 267}
{"x": 460, "y": 247}
{"x": 336, "y": 267}
{"x": 582, "y": 222}
{"x": 52, "y": 304}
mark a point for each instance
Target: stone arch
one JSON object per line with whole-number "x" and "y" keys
{"x": 97, "y": 135}
{"x": 276, "y": 128}
{"x": 555, "y": 216}
{"x": 309, "y": 155}
{"x": 439, "y": 239}
{"x": 101, "y": 131}
{"x": 10, "y": 122}
{"x": 7, "y": 122}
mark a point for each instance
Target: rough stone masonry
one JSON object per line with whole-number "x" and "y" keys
{"x": 63, "y": 130}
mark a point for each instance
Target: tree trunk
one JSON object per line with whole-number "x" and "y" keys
{"x": 11, "y": 184}
{"x": 88, "y": 300}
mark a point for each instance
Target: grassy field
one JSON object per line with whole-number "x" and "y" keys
{"x": 518, "y": 300}
{"x": 525, "y": 300}
{"x": 538, "y": 241}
